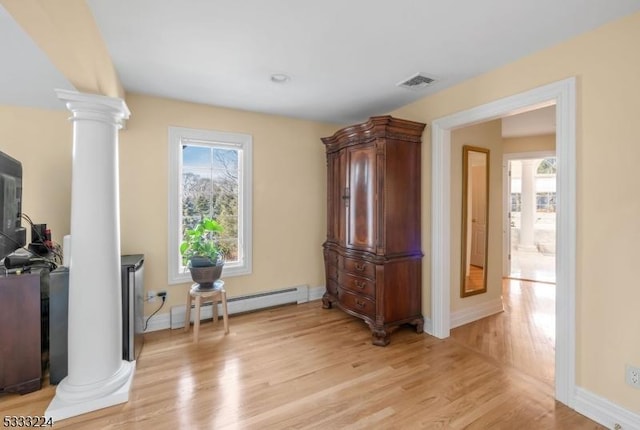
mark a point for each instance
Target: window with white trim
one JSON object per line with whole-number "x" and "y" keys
{"x": 210, "y": 176}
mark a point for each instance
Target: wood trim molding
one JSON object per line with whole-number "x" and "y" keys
{"x": 440, "y": 228}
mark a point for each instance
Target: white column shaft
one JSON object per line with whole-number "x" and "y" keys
{"x": 97, "y": 375}
{"x": 95, "y": 303}
{"x": 528, "y": 205}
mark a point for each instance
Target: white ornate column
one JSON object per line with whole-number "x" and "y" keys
{"x": 98, "y": 376}
{"x": 528, "y": 206}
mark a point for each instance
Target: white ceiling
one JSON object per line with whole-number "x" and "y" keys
{"x": 344, "y": 57}
{"x": 531, "y": 123}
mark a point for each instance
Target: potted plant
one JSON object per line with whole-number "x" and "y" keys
{"x": 201, "y": 252}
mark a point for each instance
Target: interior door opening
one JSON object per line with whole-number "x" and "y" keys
{"x": 531, "y": 219}
{"x": 563, "y": 95}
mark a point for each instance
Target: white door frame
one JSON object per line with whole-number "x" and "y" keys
{"x": 506, "y": 201}
{"x": 563, "y": 94}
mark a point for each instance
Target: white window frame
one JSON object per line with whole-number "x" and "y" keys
{"x": 244, "y": 143}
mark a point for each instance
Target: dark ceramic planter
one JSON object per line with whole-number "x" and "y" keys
{"x": 205, "y": 276}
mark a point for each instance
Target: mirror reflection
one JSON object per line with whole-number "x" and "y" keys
{"x": 475, "y": 220}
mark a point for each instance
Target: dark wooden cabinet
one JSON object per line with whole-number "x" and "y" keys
{"x": 373, "y": 256}
{"x": 20, "y": 333}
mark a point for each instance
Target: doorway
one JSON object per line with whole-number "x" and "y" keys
{"x": 563, "y": 94}
{"x": 529, "y": 251}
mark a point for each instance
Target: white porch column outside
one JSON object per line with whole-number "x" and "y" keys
{"x": 528, "y": 206}
{"x": 98, "y": 376}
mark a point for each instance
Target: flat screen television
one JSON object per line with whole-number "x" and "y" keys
{"x": 12, "y": 234}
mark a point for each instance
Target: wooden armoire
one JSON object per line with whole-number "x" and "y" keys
{"x": 372, "y": 253}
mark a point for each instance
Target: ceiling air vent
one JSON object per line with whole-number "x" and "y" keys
{"x": 416, "y": 81}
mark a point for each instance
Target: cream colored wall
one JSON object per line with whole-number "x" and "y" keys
{"x": 289, "y": 182}
{"x": 546, "y": 142}
{"x": 606, "y": 63}
{"x": 486, "y": 135}
{"x": 42, "y": 141}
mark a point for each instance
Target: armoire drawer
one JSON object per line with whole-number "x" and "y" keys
{"x": 360, "y": 268}
{"x": 357, "y": 303}
{"x": 358, "y": 284}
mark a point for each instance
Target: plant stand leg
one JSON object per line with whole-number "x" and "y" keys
{"x": 225, "y": 313}
{"x": 196, "y": 322}
{"x": 187, "y": 313}
{"x": 214, "y": 308}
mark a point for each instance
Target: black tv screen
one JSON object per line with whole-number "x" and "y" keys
{"x": 12, "y": 234}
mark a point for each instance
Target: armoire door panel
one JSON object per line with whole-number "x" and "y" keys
{"x": 362, "y": 193}
{"x": 336, "y": 208}
{"x": 341, "y": 198}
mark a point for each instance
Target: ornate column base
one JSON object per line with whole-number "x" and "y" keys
{"x": 71, "y": 400}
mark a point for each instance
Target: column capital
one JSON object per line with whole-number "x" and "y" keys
{"x": 95, "y": 107}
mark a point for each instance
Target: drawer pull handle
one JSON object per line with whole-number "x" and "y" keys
{"x": 360, "y": 267}
{"x": 360, "y": 284}
{"x": 360, "y": 304}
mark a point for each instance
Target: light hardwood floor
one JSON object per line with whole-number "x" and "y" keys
{"x": 523, "y": 336}
{"x": 302, "y": 366}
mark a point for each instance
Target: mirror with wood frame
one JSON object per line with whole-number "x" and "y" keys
{"x": 475, "y": 220}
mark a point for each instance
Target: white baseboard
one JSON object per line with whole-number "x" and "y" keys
{"x": 428, "y": 325}
{"x": 175, "y": 317}
{"x": 465, "y": 316}
{"x": 302, "y": 294}
{"x": 158, "y": 322}
{"x": 474, "y": 313}
{"x": 604, "y": 411}
{"x": 316, "y": 293}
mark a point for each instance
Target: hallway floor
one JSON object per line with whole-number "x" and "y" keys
{"x": 533, "y": 266}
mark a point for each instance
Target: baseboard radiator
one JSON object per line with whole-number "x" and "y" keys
{"x": 235, "y": 305}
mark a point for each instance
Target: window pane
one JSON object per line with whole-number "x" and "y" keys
{"x": 546, "y": 202}
{"x": 547, "y": 166}
{"x": 210, "y": 189}
{"x": 516, "y": 202}
{"x": 196, "y": 156}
